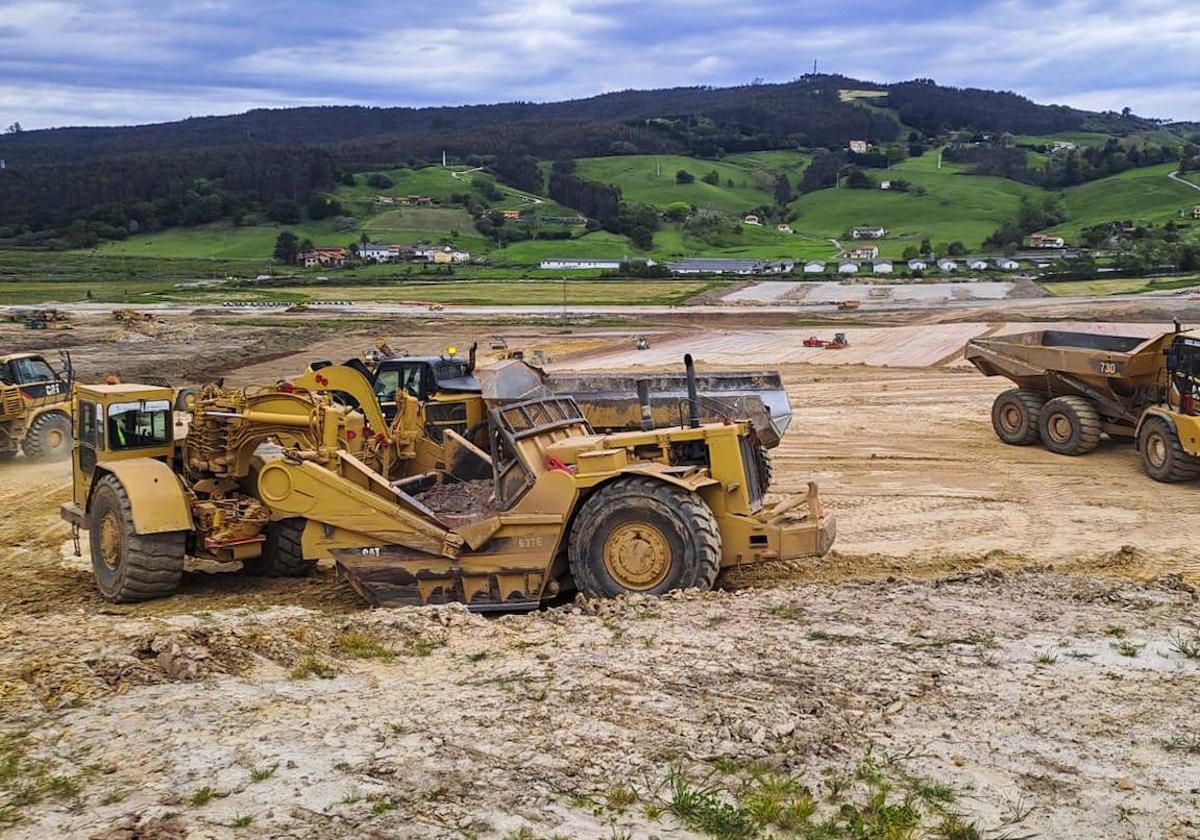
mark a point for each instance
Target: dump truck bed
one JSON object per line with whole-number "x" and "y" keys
{"x": 1121, "y": 374}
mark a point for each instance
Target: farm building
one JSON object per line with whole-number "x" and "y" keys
{"x": 1196, "y": 212}
{"x": 848, "y": 267}
{"x": 330, "y": 257}
{"x": 375, "y": 252}
{"x": 784, "y": 228}
{"x": 865, "y": 252}
{"x": 814, "y": 267}
{"x": 859, "y": 147}
{"x": 701, "y": 265}
{"x": 917, "y": 265}
{"x": 752, "y": 220}
{"x": 1041, "y": 240}
{"x": 884, "y": 267}
{"x": 868, "y": 233}
{"x": 1005, "y": 264}
{"x": 977, "y": 265}
{"x": 566, "y": 264}
{"x": 947, "y": 265}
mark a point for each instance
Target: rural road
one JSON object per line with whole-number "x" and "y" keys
{"x": 523, "y": 197}
{"x": 1174, "y": 176}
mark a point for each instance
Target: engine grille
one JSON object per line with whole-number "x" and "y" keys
{"x": 750, "y": 461}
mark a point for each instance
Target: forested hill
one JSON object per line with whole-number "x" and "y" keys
{"x": 810, "y": 111}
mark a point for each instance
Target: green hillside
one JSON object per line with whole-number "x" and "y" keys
{"x": 945, "y": 205}
{"x": 1137, "y": 194}
{"x": 953, "y": 206}
{"x": 745, "y": 181}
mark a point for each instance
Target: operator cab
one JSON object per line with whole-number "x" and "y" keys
{"x": 1183, "y": 370}
{"x": 25, "y": 369}
{"x": 423, "y": 377}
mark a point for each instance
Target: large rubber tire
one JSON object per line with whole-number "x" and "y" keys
{"x": 1069, "y": 426}
{"x": 130, "y": 566}
{"x": 1162, "y": 455}
{"x": 49, "y": 437}
{"x": 283, "y": 551}
{"x": 644, "y": 535}
{"x": 185, "y": 399}
{"x": 1015, "y": 415}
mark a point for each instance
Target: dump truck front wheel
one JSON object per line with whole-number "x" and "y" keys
{"x": 130, "y": 566}
{"x": 49, "y": 437}
{"x": 1069, "y": 426}
{"x": 1163, "y": 457}
{"x": 1015, "y": 416}
{"x": 643, "y": 535}
{"x": 283, "y": 551}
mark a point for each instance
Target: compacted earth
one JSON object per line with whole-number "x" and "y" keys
{"x": 1004, "y": 644}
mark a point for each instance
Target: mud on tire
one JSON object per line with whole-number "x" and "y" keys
{"x": 49, "y": 437}
{"x": 644, "y": 535}
{"x": 1069, "y": 426}
{"x": 283, "y": 551}
{"x": 130, "y": 566}
{"x": 1015, "y": 415}
{"x": 1163, "y": 457}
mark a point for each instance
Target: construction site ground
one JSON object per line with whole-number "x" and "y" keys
{"x": 1001, "y": 637}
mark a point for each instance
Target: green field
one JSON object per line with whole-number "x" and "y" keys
{"x": 955, "y": 206}
{"x": 1118, "y": 286}
{"x": 1079, "y": 138}
{"x": 650, "y": 179}
{"x": 598, "y": 244}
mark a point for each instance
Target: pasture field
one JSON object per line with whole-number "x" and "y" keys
{"x": 1145, "y": 194}
{"x": 650, "y": 179}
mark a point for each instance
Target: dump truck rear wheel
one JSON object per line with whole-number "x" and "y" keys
{"x": 49, "y": 437}
{"x": 643, "y": 535}
{"x": 1015, "y": 416}
{"x": 1069, "y": 426}
{"x": 1163, "y": 457}
{"x": 283, "y": 551}
{"x": 130, "y": 566}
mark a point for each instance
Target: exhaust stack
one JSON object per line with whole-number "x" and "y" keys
{"x": 643, "y": 394}
{"x": 693, "y": 398}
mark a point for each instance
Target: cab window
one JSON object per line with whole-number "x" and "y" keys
{"x": 29, "y": 371}
{"x": 406, "y": 378}
{"x": 139, "y": 425}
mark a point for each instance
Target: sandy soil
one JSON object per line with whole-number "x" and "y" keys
{"x": 1007, "y": 620}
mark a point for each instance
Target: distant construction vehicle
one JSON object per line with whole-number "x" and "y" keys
{"x": 41, "y": 319}
{"x": 849, "y": 304}
{"x": 1073, "y": 387}
{"x": 279, "y": 477}
{"x": 34, "y": 407}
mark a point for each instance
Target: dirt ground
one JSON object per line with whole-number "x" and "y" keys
{"x": 1002, "y": 637}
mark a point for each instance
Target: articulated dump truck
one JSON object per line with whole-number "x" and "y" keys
{"x": 34, "y": 411}
{"x": 280, "y": 477}
{"x": 1072, "y": 387}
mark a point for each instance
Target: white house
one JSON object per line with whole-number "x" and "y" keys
{"x": 848, "y": 267}
{"x": 566, "y": 264}
{"x": 1196, "y": 212}
{"x": 977, "y": 265}
{"x": 883, "y": 267}
{"x": 784, "y": 229}
{"x": 868, "y": 232}
{"x": 1005, "y": 264}
{"x": 375, "y": 252}
{"x": 752, "y": 220}
{"x": 947, "y": 265}
{"x": 865, "y": 252}
{"x": 917, "y": 265}
{"x": 814, "y": 267}
{"x": 885, "y": 185}
{"x": 859, "y": 147}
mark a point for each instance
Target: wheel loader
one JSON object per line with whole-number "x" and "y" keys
{"x": 34, "y": 407}
{"x": 280, "y": 477}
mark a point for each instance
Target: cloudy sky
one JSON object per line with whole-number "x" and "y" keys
{"x": 74, "y": 62}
